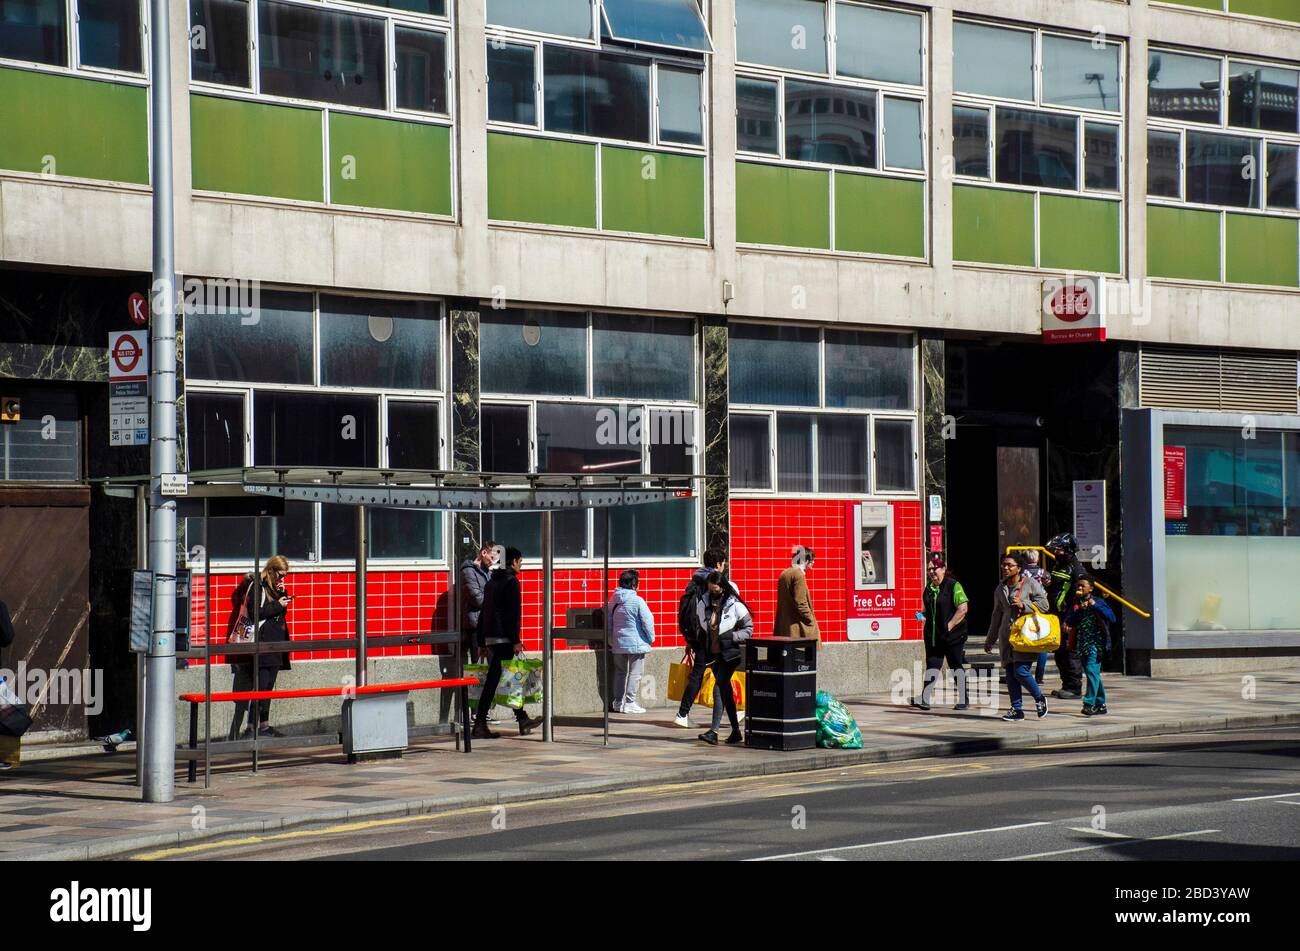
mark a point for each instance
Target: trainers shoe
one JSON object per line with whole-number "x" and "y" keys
{"x": 918, "y": 703}
{"x": 682, "y": 722}
{"x": 480, "y": 731}
{"x": 740, "y": 716}
{"x": 528, "y": 724}
{"x": 961, "y": 706}
{"x": 272, "y": 731}
{"x": 1014, "y": 715}
{"x": 709, "y": 737}
{"x": 1064, "y": 694}
{"x": 1041, "y": 707}
{"x": 1088, "y": 711}
{"x": 1099, "y": 710}
{"x": 633, "y": 708}
{"x": 616, "y": 708}
{"x": 736, "y": 737}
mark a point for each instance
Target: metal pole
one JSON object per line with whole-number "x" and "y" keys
{"x": 361, "y": 596}
{"x": 142, "y": 563}
{"x": 207, "y": 648}
{"x": 548, "y": 633}
{"x": 160, "y": 705}
{"x": 609, "y": 698}
{"x": 255, "y": 590}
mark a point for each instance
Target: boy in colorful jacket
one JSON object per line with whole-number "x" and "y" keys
{"x": 1090, "y": 619}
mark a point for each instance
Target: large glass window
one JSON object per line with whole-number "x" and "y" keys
{"x": 895, "y": 455}
{"x": 587, "y": 92}
{"x": 377, "y": 342}
{"x": 315, "y": 430}
{"x": 1037, "y": 148}
{"x": 269, "y": 343}
{"x": 1222, "y": 170}
{"x": 1263, "y": 97}
{"x": 215, "y": 431}
{"x": 35, "y": 31}
{"x": 869, "y": 370}
{"x": 749, "y": 449}
{"x": 321, "y": 55}
{"x": 1080, "y": 74}
{"x": 773, "y": 364}
{"x": 645, "y": 357}
{"x": 786, "y": 34}
{"x": 219, "y": 42}
{"x": 794, "y": 453}
{"x": 843, "y": 459}
{"x": 421, "y": 70}
{"x": 992, "y": 61}
{"x": 1183, "y": 87}
{"x": 538, "y": 352}
{"x": 109, "y": 33}
{"x": 831, "y": 124}
{"x": 512, "y": 83}
{"x": 671, "y": 23}
{"x": 44, "y": 445}
{"x": 413, "y": 435}
{"x": 560, "y": 17}
{"x": 506, "y": 444}
{"x": 880, "y": 44}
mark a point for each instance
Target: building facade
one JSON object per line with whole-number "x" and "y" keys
{"x": 796, "y": 246}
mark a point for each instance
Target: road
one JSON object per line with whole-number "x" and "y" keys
{"x": 1231, "y": 795}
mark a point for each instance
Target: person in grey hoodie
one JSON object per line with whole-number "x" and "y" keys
{"x": 1012, "y": 598}
{"x": 632, "y": 632}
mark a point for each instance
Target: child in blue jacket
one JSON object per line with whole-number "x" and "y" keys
{"x": 1090, "y": 622}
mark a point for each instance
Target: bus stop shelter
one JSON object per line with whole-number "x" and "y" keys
{"x": 261, "y": 492}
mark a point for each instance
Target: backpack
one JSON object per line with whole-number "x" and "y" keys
{"x": 687, "y": 619}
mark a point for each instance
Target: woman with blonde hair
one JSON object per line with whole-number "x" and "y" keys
{"x": 272, "y": 625}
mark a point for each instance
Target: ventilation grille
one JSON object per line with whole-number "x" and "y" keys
{"x": 1232, "y": 381}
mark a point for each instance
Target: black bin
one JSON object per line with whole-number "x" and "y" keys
{"x": 781, "y": 693}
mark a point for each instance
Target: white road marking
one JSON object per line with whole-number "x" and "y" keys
{"x": 1261, "y": 798}
{"x": 1092, "y": 848}
{"x": 919, "y": 838}
{"x": 1106, "y": 832}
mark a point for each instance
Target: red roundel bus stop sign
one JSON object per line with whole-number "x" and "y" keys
{"x": 128, "y": 356}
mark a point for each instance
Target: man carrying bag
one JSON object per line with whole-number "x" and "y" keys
{"x": 14, "y": 717}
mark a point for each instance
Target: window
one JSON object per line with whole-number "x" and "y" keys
{"x": 421, "y": 70}
{"x": 970, "y": 141}
{"x": 904, "y": 139}
{"x": 1037, "y": 149}
{"x": 1282, "y": 176}
{"x": 991, "y": 61}
{"x": 757, "y": 118}
{"x": 538, "y": 352}
{"x": 875, "y": 43}
{"x": 1164, "y": 163}
{"x": 826, "y": 445}
{"x": 1078, "y": 74}
{"x": 1220, "y": 170}
{"x": 1183, "y": 87}
{"x": 109, "y": 33}
{"x": 670, "y": 23}
{"x": 593, "y": 93}
{"x": 681, "y": 117}
{"x": 831, "y": 124}
{"x": 512, "y": 83}
{"x": 785, "y": 34}
{"x": 354, "y": 383}
{"x": 647, "y": 357}
{"x": 321, "y": 55}
{"x": 1100, "y": 156}
{"x": 219, "y": 42}
{"x": 1263, "y": 97}
{"x": 45, "y": 444}
{"x": 506, "y": 446}
{"x": 559, "y": 17}
{"x": 35, "y": 31}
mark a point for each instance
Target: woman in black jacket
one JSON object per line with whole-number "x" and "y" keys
{"x": 272, "y": 625}
{"x": 499, "y": 632}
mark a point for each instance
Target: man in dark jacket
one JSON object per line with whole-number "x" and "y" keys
{"x": 474, "y": 574}
{"x": 689, "y": 627}
{"x": 1061, "y": 585}
{"x": 499, "y": 632}
{"x": 944, "y": 635}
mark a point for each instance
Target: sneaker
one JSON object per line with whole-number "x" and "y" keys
{"x": 633, "y": 708}
{"x": 709, "y": 737}
{"x": 735, "y": 738}
{"x": 616, "y": 708}
{"x": 682, "y": 722}
{"x": 480, "y": 731}
{"x": 918, "y": 703}
{"x": 272, "y": 731}
{"x": 1041, "y": 707}
{"x": 528, "y": 724}
{"x": 1014, "y": 715}
{"x": 961, "y": 706}
{"x": 4, "y": 766}
{"x": 740, "y": 716}
{"x": 1064, "y": 694}
{"x": 1099, "y": 710}
{"x": 1088, "y": 711}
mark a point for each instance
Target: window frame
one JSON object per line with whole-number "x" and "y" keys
{"x": 72, "y": 41}
{"x": 772, "y": 410}
{"x": 384, "y": 397}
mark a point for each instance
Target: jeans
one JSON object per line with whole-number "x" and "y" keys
{"x": 499, "y": 654}
{"x": 627, "y": 678}
{"x": 935, "y": 655}
{"x": 722, "y": 694}
{"x": 244, "y": 681}
{"x": 1019, "y": 675}
{"x": 693, "y": 684}
{"x": 1041, "y": 670}
{"x": 1095, "y": 695}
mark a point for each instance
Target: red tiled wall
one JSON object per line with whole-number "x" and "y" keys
{"x": 764, "y": 532}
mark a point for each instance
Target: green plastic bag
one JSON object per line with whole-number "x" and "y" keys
{"x": 521, "y": 682}
{"x": 836, "y": 728}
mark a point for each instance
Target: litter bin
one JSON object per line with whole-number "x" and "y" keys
{"x": 781, "y": 693}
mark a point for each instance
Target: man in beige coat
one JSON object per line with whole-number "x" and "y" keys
{"x": 794, "y": 613}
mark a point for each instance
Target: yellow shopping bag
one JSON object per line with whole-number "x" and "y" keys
{"x": 1035, "y": 632}
{"x": 678, "y": 675}
{"x": 737, "y": 689}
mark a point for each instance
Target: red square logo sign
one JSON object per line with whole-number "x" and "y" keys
{"x": 1074, "y": 310}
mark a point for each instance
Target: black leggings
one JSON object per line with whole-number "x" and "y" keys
{"x": 244, "y": 681}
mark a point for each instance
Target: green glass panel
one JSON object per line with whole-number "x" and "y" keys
{"x": 1203, "y": 4}
{"x": 1078, "y": 234}
{"x": 1262, "y": 250}
{"x": 782, "y": 206}
{"x": 384, "y": 163}
{"x": 879, "y": 215}
{"x": 253, "y": 148}
{"x": 1182, "y": 243}
{"x": 1277, "y": 9}
{"x": 62, "y": 125}
{"x": 992, "y": 225}
{"x": 545, "y": 181}
{"x": 652, "y": 192}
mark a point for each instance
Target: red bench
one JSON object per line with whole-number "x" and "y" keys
{"x": 462, "y": 684}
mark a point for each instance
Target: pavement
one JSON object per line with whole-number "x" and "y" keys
{"x": 86, "y": 807}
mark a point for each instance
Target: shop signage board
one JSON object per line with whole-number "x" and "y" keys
{"x": 873, "y": 611}
{"x": 936, "y": 538}
{"x": 1176, "y": 482}
{"x": 936, "y": 508}
{"x": 1090, "y": 520}
{"x": 141, "y": 610}
{"x": 1074, "y": 310}
{"x": 128, "y": 388}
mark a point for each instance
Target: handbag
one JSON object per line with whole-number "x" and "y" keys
{"x": 520, "y": 684}
{"x": 14, "y": 718}
{"x": 1035, "y": 632}
{"x": 737, "y": 688}
{"x": 678, "y": 676}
